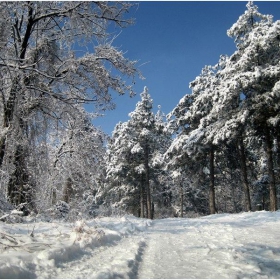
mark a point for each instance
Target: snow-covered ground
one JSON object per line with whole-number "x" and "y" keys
{"x": 245, "y": 245}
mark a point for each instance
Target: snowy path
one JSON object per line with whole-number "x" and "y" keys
{"x": 242, "y": 245}
{"x": 103, "y": 262}
{"x": 203, "y": 248}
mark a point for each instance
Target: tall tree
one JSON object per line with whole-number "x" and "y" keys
{"x": 41, "y": 71}
{"x": 124, "y": 182}
{"x": 135, "y": 155}
{"x": 190, "y": 119}
{"x": 250, "y": 81}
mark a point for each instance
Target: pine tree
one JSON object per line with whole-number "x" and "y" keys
{"x": 251, "y": 81}
{"x": 123, "y": 179}
{"x": 193, "y": 141}
{"x": 135, "y": 157}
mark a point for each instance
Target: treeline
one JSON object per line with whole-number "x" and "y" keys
{"x": 217, "y": 151}
{"x": 224, "y": 156}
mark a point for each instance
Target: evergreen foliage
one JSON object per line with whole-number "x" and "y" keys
{"x": 233, "y": 103}
{"x": 136, "y": 180}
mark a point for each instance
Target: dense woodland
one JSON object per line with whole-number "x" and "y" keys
{"x": 217, "y": 151}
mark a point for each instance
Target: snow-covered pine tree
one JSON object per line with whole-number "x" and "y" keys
{"x": 249, "y": 91}
{"x": 123, "y": 182}
{"x": 225, "y": 120}
{"x": 242, "y": 100}
{"x": 259, "y": 80}
{"x": 160, "y": 181}
{"x": 190, "y": 121}
{"x": 134, "y": 161}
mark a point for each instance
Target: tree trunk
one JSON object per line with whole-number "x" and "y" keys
{"x": 277, "y": 167}
{"x": 147, "y": 173}
{"x": 244, "y": 173}
{"x": 19, "y": 190}
{"x": 10, "y": 104}
{"x": 212, "y": 205}
{"x": 270, "y": 167}
{"x": 8, "y": 114}
{"x": 142, "y": 204}
{"x": 182, "y": 199}
{"x": 153, "y": 210}
{"x": 2, "y": 149}
{"x": 68, "y": 190}
{"x": 53, "y": 196}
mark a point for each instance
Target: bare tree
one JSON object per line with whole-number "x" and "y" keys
{"x": 55, "y": 55}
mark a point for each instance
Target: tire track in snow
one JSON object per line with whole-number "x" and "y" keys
{"x": 121, "y": 260}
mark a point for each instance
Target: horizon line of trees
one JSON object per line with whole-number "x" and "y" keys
{"x": 225, "y": 152}
{"x": 217, "y": 151}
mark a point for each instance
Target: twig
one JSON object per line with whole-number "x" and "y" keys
{"x": 32, "y": 232}
{"x": 8, "y": 237}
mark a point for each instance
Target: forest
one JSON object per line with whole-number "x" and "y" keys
{"x": 217, "y": 151}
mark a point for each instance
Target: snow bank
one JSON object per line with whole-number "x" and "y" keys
{"x": 28, "y": 249}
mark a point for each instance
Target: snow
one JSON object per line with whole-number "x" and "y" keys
{"x": 244, "y": 245}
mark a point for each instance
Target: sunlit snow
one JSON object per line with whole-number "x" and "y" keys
{"x": 242, "y": 245}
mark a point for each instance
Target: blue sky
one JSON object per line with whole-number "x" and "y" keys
{"x": 173, "y": 41}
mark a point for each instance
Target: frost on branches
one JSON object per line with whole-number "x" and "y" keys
{"x": 225, "y": 152}
{"x": 56, "y": 56}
